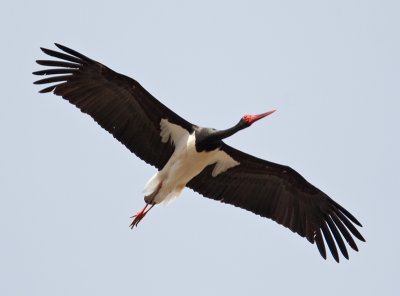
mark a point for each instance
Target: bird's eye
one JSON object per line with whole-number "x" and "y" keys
{"x": 247, "y": 118}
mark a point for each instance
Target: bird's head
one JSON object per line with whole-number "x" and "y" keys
{"x": 250, "y": 119}
{"x": 214, "y": 136}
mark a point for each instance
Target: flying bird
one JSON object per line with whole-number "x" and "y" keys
{"x": 188, "y": 155}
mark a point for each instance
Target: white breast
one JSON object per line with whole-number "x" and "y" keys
{"x": 184, "y": 164}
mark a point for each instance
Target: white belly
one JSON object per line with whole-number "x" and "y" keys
{"x": 184, "y": 164}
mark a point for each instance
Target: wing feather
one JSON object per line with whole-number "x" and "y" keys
{"x": 278, "y": 192}
{"x": 116, "y": 102}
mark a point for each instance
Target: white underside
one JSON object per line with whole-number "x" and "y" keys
{"x": 184, "y": 164}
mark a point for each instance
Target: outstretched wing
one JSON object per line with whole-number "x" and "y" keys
{"x": 278, "y": 192}
{"x": 116, "y": 102}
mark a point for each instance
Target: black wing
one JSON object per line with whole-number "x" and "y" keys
{"x": 278, "y": 192}
{"x": 116, "y": 102}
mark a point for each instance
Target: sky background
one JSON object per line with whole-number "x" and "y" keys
{"x": 67, "y": 188}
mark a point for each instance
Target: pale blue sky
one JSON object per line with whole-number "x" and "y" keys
{"x": 67, "y": 188}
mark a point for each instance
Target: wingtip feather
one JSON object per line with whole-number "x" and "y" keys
{"x": 47, "y": 89}
{"x": 72, "y": 52}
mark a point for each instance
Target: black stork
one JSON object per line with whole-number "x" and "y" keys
{"x": 188, "y": 155}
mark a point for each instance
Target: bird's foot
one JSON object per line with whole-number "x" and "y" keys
{"x": 140, "y": 215}
{"x": 149, "y": 199}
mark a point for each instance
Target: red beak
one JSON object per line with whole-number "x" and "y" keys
{"x": 250, "y": 119}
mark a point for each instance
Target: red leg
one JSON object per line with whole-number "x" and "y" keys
{"x": 149, "y": 201}
{"x": 140, "y": 215}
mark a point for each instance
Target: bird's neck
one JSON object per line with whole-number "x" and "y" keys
{"x": 208, "y": 141}
{"x": 222, "y": 134}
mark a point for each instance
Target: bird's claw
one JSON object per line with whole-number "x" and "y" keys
{"x": 138, "y": 217}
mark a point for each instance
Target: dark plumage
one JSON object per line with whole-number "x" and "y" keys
{"x": 132, "y": 115}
